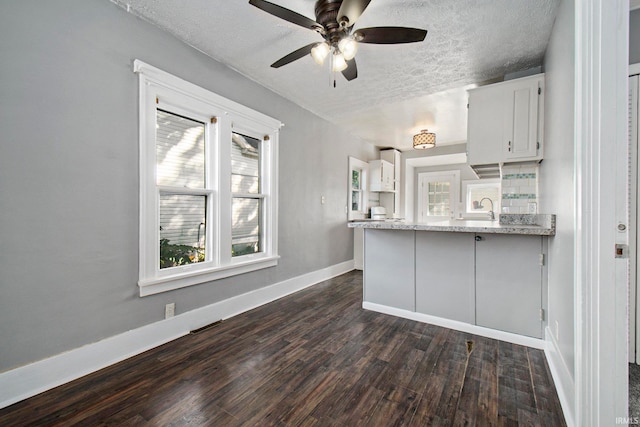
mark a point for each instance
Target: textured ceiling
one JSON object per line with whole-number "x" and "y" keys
{"x": 400, "y": 89}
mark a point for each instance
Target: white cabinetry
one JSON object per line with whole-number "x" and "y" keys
{"x": 391, "y": 200}
{"x": 381, "y": 175}
{"x": 445, "y": 275}
{"x": 505, "y": 122}
{"x": 490, "y": 280}
{"x": 509, "y": 283}
{"x": 389, "y": 260}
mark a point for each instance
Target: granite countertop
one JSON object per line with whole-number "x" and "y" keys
{"x": 535, "y": 225}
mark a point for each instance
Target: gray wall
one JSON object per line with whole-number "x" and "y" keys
{"x": 69, "y": 176}
{"x": 634, "y": 36}
{"x": 557, "y": 174}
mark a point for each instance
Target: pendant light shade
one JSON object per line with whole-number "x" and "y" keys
{"x": 349, "y": 47}
{"x": 424, "y": 139}
{"x": 319, "y": 52}
{"x": 339, "y": 64}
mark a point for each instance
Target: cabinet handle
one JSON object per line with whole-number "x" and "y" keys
{"x": 479, "y": 239}
{"x": 509, "y": 145}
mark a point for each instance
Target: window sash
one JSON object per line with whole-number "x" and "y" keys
{"x": 158, "y": 89}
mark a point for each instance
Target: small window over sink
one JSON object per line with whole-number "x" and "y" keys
{"x": 481, "y": 197}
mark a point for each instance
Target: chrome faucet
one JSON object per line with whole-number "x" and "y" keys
{"x": 491, "y": 214}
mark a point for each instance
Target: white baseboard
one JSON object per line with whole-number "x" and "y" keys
{"x": 456, "y": 325}
{"x": 26, "y": 381}
{"x": 562, "y": 378}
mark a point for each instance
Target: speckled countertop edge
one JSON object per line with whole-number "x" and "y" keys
{"x": 545, "y": 226}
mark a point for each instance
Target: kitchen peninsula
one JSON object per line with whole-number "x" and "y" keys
{"x": 483, "y": 277}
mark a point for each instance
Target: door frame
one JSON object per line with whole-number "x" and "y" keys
{"x": 634, "y": 339}
{"x": 601, "y": 321}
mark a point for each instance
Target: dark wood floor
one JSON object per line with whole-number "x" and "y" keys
{"x": 311, "y": 359}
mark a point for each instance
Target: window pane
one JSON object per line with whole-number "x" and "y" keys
{"x": 245, "y": 228}
{"x": 179, "y": 151}
{"x": 438, "y": 198}
{"x": 182, "y": 229}
{"x": 245, "y": 164}
{"x": 478, "y": 192}
{"x": 355, "y": 200}
{"x": 355, "y": 179}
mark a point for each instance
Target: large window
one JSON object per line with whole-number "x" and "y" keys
{"x": 208, "y": 185}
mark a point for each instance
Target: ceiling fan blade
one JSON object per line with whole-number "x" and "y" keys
{"x": 389, "y": 35}
{"x": 350, "y": 10}
{"x": 296, "y": 54}
{"x": 286, "y": 14}
{"x": 351, "y": 72}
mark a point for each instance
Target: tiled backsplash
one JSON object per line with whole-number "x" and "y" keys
{"x": 519, "y": 188}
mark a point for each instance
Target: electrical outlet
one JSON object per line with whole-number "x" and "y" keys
{"x": 169, "y": 310}
{"x": 557, "y": 330}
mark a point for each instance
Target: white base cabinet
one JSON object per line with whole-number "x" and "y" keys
{"x": 509, "y": 283}
{"x": 490, "y": 280}
{"x": 389, "y": 268}
{"x": 445, "y": 283}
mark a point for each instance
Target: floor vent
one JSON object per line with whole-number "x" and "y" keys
{"x": 204, "y": 328}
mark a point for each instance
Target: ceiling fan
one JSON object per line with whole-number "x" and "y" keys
{"x": 334, "y": 22}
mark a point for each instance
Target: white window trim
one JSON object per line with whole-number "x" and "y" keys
{"x": 155, "y": 84}
{"x": 497, "y": 205}
{"x": 356, "y": 164}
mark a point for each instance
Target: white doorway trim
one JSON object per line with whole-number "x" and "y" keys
{"x": 602, "y": 28}
{"x": 410, "y": 166}
{"x": 633, "y": 215}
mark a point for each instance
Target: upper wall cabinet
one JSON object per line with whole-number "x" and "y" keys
{"x": 505, "y": 122}
{"x": 391, "y": 200}
{"x": 382, "y": 176}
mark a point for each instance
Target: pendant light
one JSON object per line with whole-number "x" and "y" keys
{"x": 424, "y": 140}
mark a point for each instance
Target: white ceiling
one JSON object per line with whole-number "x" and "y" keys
{"x": 400, "y": 89}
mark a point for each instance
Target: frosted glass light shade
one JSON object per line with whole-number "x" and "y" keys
{"x": 424, "y": 139}
{"x": 339, "y": 63}
{"x": 348, "y": 47}
{"x": 319, "y": 52}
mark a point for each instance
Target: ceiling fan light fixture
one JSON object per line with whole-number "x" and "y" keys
{"x": 424, "y": 140}
{"x": 319, "y": 52}
{"x": 349, "y": 47}
{"x": 339, "y": 63}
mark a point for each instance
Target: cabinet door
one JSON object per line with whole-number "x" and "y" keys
{"x": 387, "y": 176}
{"x": 445, "y": 275}
{"x": 391, "y": 201}
{"x": 485, "y": 125}
{"x": 389, "y": 268}
{"x": 381, "y": 173}
{"x": 509, "y": 283}
{"x": 521, "y": 119}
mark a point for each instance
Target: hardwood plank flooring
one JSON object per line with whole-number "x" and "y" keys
{"x": 315, "y": 358}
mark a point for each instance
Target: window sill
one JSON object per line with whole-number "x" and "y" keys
{"x": 182, "y": 280}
